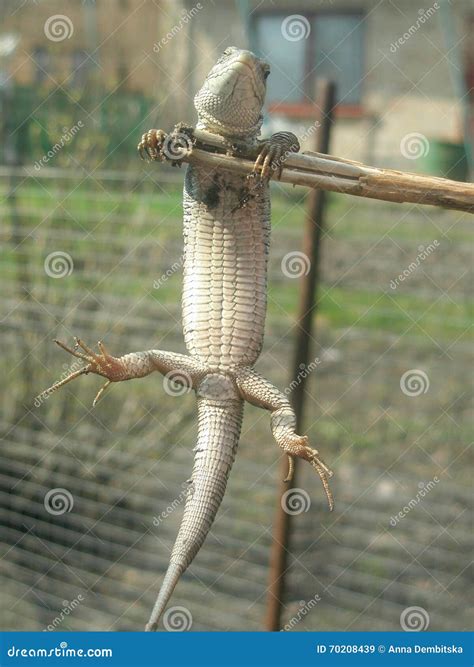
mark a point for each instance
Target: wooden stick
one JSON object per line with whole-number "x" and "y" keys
{"x": 327, "y": 172}
{"x": 283, "y": 523}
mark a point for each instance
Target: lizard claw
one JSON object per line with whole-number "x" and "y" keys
{"x": 157, "y": 145}
{"x": 298, "y": 446}
{"x": 291, "y": 468}
{"x": 273, "y": 154}
{"x": 151, "y": 145}
{"x": 100, "y": 393}
{"x": 324, "y": 472}
{"x": 103, "y": 364}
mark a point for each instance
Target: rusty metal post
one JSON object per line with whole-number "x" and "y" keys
{"x": 325, "y": 100}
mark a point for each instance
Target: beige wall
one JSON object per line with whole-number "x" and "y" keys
{"x": 124, "y": 29}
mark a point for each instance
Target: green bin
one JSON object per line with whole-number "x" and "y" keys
{"x": 445, "y": 159}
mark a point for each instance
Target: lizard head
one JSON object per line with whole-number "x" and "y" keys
{"x": 231, "y": 99}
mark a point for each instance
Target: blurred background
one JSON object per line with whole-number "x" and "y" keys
{"x": 91, "y": 499}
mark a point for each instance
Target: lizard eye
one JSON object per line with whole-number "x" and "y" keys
{"x": 266, "y": 74}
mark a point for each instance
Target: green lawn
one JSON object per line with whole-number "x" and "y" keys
{"x": 131, "y": 238}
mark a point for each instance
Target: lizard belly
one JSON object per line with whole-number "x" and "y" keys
{"x": 225, "y": 267}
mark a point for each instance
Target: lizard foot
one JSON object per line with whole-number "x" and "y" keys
{"x": 157, "y": 145}
{"x": 273, "y": 154}
{"x": 151, "y": 145}
{"x": 102, "y": 364}
{"x": 299, "y": 446}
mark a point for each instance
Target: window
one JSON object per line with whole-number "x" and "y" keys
{"x": 315, "y": 45}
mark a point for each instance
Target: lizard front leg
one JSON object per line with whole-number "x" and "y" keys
{"x": 180, "y": 368}
{"x": 260, "y": 392}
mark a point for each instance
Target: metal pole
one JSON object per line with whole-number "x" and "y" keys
{"x": 325, "y": 100}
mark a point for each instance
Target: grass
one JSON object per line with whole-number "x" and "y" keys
{"x": 124, "y": 236}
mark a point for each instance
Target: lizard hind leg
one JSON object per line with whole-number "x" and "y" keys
{"x": 260, "y": 392}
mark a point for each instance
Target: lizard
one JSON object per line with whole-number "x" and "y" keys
{"x": 226, "y": 247}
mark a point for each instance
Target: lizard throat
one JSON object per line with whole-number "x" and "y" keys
{"x": 212, "y": 124}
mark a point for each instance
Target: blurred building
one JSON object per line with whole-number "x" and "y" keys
{"x": 400, "y": 69}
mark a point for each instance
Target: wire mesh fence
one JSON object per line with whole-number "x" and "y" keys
{"x": 91, "y": 499}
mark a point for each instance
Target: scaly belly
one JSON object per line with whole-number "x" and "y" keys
{"x": 225, "y": 268}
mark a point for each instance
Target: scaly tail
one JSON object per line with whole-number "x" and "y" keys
{"x": 219, "y": 422}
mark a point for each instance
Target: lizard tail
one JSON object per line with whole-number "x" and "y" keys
{"x": 219, "y": 423}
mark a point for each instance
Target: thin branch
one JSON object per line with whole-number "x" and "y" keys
{"x": 317, "y": 170}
